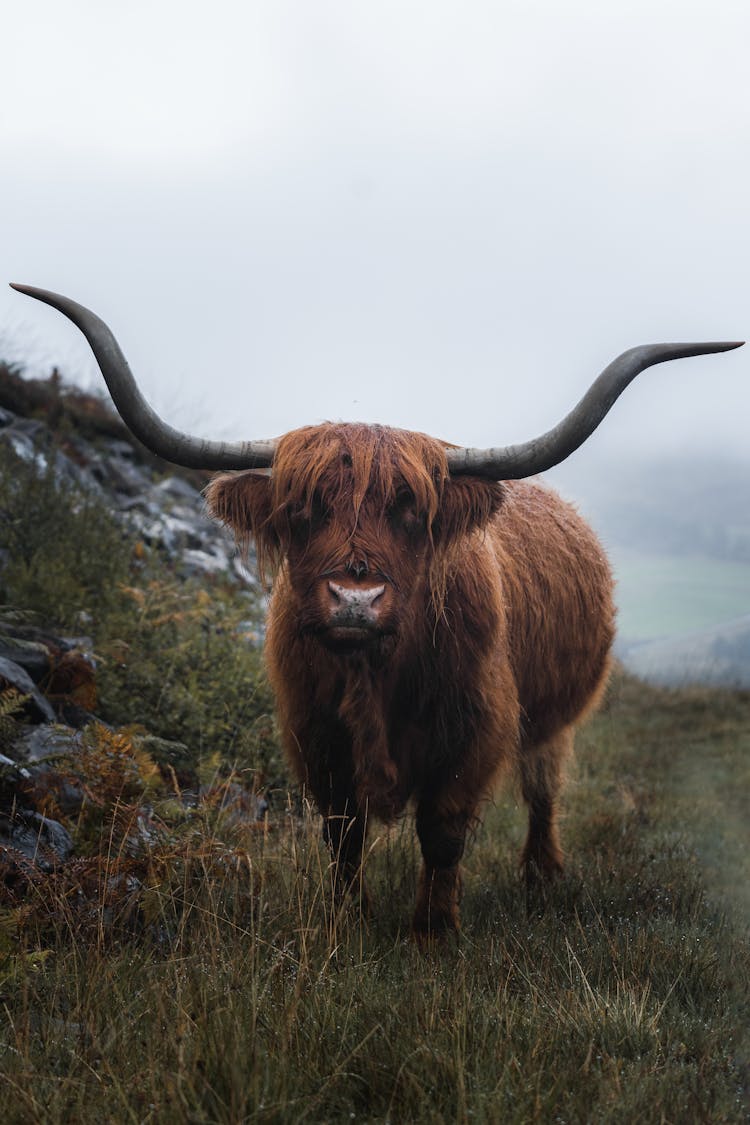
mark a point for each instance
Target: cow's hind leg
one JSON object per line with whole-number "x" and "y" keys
{"x": 541, "y": 768}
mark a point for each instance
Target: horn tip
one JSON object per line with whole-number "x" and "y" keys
{"x": 30, "y": 290}
{"x": 722, "y": 345}
{"x": 716, "y": 346}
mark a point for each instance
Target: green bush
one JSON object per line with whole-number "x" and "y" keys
{"x": 177, "y": 659}
{"x": 64, "y": 551}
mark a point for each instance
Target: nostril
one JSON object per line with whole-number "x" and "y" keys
{"x": 335, "y": 591}
{"x": 377, "y": 594}
{"x": 357, "y": 566}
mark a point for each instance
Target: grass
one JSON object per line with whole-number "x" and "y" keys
{"x": 242, "y": 995}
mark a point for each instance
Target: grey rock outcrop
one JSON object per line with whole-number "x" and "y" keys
{"x": 13, "y": 675}
{"x": 167, "y": 512}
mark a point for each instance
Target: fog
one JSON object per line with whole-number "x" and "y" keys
{"x": 441, "y": 216}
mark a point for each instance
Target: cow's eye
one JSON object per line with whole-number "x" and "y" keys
{"x": 308, "y": 517}
{"x": 404, "y": 513}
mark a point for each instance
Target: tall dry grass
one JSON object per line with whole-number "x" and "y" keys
{"x": 237, "y": 991}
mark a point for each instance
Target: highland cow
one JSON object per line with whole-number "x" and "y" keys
{"x": 436, "y": 620}
{"x": 425, "y": 634}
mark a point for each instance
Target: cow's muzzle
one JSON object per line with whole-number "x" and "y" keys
{"x": 354, "y": 614}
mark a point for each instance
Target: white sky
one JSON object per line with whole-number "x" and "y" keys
{"x": 446, "y": 216}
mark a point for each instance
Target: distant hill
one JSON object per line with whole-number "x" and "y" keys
{"x": 678, "y": 533}
{"x": 719, "y": 656}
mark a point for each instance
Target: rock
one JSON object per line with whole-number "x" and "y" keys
{"x": 44, "y": 777}
{"x": 13, "y": 770}
{"x": 179, "y": 489}
{"x": 17, "y": 628}
{"x": 203, "y": 562}
{"x": 34, "y": 429}
{"x": 32, "y": 656}
{"x": 126, "y": 504}
{"x": 120, "y": 475}
{"x": 158, "y": 532}
{"x": 39, "y": 770}
{"x": 36, "y": 837}
{"x": 39, "y": 776}
{"x": 13, "y": 675}
{"x": 39, "y": 743}
{"x": 32, "y": 441}
{"x": 66, "y": 665}
{"x": 122, "y": 449}
{"x": 23, "y": 446}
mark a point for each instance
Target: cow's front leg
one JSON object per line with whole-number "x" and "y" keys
{"x": 345, "y": 831}
{"x": 325, "y": 763}
{"x": 441, "y": 828}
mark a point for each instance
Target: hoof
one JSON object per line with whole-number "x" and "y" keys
{"x": 433, "y": 932}
{"x": 541, "y": 866}
{"x": 432, "y": 941}
{"x": 353, "y": 895}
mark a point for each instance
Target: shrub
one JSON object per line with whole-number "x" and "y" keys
{"x": 177, "y": 659}
{"x": 63, "y": 550}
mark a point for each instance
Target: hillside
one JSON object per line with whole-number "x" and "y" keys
{"x": 130, "y": 636}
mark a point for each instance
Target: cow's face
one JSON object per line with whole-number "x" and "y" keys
{"x": 363, "y": 518}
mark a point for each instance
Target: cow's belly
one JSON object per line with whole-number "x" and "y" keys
{"x": 557, "y": 588}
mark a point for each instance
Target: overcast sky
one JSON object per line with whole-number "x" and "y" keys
{"x": 444, "y": 216}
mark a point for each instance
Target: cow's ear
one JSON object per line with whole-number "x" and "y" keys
{"x": 467, "y": 503}
{"x": 243, "y": 501}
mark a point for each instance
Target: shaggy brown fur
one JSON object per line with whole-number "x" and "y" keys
{"x": 489, "y": 625}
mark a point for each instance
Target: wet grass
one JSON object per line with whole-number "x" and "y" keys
{"x": 619, "y": 996}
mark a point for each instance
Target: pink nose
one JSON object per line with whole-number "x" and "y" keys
{"x": 354, "y": 606}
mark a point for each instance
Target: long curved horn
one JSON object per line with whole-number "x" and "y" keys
{"x": 536, "y": 456}
{"x": 162, "y": 439}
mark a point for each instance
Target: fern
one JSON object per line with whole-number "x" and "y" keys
{"x": 12, "y": 703}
